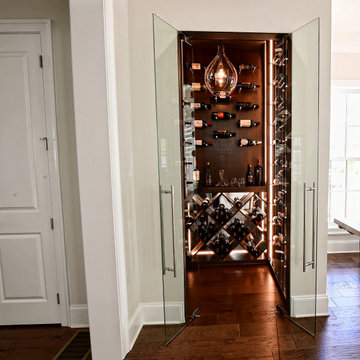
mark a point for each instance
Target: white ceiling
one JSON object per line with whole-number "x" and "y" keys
{"x": 346, "y": 26}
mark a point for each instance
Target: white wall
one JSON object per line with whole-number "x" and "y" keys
{"x": 240, "y": 16}
{"x": 58, "y": 12}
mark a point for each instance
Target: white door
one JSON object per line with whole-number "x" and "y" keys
{"x": 28, "y": 281}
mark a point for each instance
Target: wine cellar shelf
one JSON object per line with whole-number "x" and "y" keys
{"x": 236, "y": 151}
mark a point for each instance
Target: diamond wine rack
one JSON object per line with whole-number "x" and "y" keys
{"x": 223, "y": 224}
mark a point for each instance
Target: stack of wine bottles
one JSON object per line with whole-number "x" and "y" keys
{"x": 221, "y": 245}
{"x": 222, "y": 228}
{"x": 282, "y": 158}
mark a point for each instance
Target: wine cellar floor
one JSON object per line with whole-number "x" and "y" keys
{"x": 238, "y": 319}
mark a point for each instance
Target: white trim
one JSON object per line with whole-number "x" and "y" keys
{"x": 343, "y": 246}
{"x": 113, "y": 118}
{"x": 43, "y": 28}
{"x": 135, "y": 325}
{"x": 303, "y": 306}
{"x": 79, "y": 317}
{"x": 153, "y": 314}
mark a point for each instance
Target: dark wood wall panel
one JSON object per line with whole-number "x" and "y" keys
{"x": 225, "y": 153}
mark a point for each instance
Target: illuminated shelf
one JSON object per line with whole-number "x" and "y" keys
{"x": 231, "y": 189}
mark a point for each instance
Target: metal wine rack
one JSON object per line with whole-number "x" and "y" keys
{"x": 281, "y": 164}
{"x": 255, "y": 232}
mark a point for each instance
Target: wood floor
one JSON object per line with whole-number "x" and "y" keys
{"x": 238, "y": 319}
{"x": 33, "y": 342}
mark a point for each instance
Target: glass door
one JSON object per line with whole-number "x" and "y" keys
{"x": 166, "y": 59}
{"x": 304, "y": 175}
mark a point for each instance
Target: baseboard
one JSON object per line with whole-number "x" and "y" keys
{"x": 153, "y": 313}
{"x": 79, "y": 316}
{"x": 135, "y": 325}
{"x": 304, "y": 306}
{"x": 343, "y": 245}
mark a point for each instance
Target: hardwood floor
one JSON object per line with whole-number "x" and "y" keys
{"x": 238, "y": 319}
{"x": 33, "y": 342}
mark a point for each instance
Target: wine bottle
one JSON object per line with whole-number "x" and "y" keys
{"x": 196, "y": 174}
{"x": 248, "y": 142}
{"x": 222, "y": 116}
{"x": 205, "y": 203}
{"x": 247, "y": 67}
{"x": 208, "y": 178}
{"x": 246, "y": 106}
{"x": 198, "y": 86}
{"x": 249, "y": 176}
{"x": 202, "y": 143}
{"x": 238, "y": 202}
{"x": 247, "y": 86}
{"x": 200, "y": 106}
{"x": 196, "y": 66}
{"x": 201, "y": 124}
{"x": 222, "y": 134}
{"x": 258, "y": 173}
{"x": 246, "y": 123}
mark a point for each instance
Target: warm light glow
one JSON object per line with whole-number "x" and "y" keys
{"x": 271, "y": 159}
{"x": 220, "y": 75}
{"x": 209, "y": 252}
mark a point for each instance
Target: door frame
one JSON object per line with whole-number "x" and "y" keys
{"x": 43, "y": 28}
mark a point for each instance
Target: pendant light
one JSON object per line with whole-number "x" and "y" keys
{"x": 220, "y": 75}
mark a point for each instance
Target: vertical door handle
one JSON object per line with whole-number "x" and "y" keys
{"x": 172, "y": 195}
{"x": 312, "y": 262}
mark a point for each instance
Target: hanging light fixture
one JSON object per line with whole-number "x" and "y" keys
{"x": 220, "y": 75}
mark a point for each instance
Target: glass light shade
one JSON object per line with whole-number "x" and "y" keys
{"x": 220, "y": 75}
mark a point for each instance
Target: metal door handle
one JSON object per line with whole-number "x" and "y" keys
{"x": 312, "y": 262}
{"x": 172, "y": 196}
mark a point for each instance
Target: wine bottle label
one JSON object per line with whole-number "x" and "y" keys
{"x": 245, "y": 123}
{"x": 198, "y": 124}
{"x": 196, "y": 86}
{"x": 244, "y": 142}
{"x": 196, "y": 175}
{"x": 220, "y": 115}
{"x": 195, "y": 105}
{"x": 196, "y": 66}
{"x": 198, "y": 142}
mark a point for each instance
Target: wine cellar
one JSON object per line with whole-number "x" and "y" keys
{"x": 236, "y": 149}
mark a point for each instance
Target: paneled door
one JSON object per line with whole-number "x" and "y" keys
{"x": 28, "y": 279}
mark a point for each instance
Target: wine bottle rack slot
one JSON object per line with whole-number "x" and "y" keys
{"x": 282, "y": 161}
{"x": 212, "y": 224}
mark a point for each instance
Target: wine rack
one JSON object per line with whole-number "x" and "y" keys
{"x": 206, "y": 228}
{"x": 205, "y": 233}
{"x": 281, "y": 163}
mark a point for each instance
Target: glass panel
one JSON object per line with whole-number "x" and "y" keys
{"x": 170, "y": 175}
{"x": 337, "y": 205}
{"x": 353, "y": 175}
{"x": 353, "y": 141}
{"x": 337, "y": 174}
{"x": 304, "y": 176}
{"x": 353, "y": 109}
{"x": 338, "y": 109}
{"x": 337, "y": 142}
{"x": 353, "y": 206}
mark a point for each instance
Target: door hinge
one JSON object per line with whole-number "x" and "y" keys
{"x": 58, "y": 298}
{"x": 41, "y": 61}
{"x": 45, "y": 139}
{"x": 52, "y": 223}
